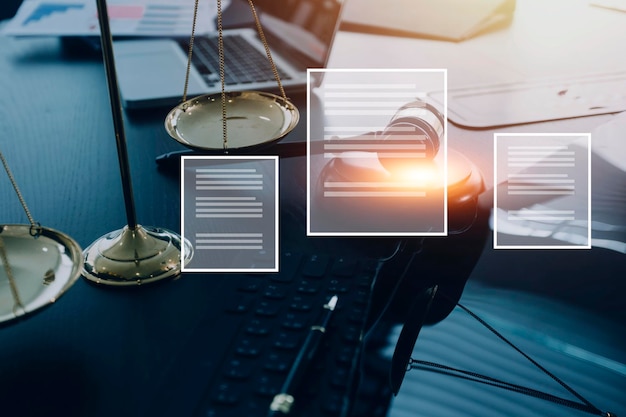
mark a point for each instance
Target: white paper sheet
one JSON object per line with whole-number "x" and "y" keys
{"x": 127, "y": 18}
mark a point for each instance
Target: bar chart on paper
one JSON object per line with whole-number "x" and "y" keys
{"x": 230, "y": 213}
{"x": 543, "y": 200}
{"x": 127, "y": 18}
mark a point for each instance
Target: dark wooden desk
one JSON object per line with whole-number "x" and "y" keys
{"x": 102, "y": 352}
{"x": 97, "y": 351}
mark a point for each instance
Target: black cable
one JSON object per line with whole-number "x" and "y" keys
{"x": 476, "y": 377}
{"x": 584, "y": 405}
{"x": 531, "y": 360}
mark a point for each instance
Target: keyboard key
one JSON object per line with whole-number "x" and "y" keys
{"x": 274, "y": 292}
{"x": 258, "y": 328}
{"x": 267, "y": 386}
{"x": 302, "y": 304}
{"x": 248, "y": 348}
{"x": 278, "y": 363}
{"x": 339, "y": 377}
{"x": 351, "y": 335}
{"x": 239, "y": 370}
{"x": 362, "y": 297}
{"x": 241, "y": 305}
{"x": 333, "y": 406}
{"x": 356, "y": 316}
{"x": 289, "y": 263}
{"x": 315, "y": 266}
{"x": 308, "y": 287}
{"x": 337, "y": 287}
{"x": 250, "y": 284}
{"x": 345, "y": 355}
{"x": 364, "y": 282}
{"x": 267, "y": 309}
{"x": 226, "y": 394}
{"x": 343, "y": 267}
{"x": 285, "y": 341}
{"x": 294, "y": 322}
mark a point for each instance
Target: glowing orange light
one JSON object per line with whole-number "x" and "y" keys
{"x": 420, "y": 175}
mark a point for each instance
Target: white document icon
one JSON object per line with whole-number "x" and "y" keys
{"x": 230, "y": 212}
{"x": 543, "y": 194}
{"x": 383, "y": 166}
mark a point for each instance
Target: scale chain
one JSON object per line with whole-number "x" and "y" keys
{"x": 222, "y": 71}
{"x": 220, "y": 40}
{"x": 35, "y": 227}
{"x": 190, "y": 52}
{"x": 267, "y": 50}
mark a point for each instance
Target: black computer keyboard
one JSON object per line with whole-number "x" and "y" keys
{"x": 248, "y": 345}
{"x": 276, "y": 311}
{"x": 243, "y": 62}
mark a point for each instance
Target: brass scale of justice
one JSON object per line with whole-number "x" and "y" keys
{"x": 257, "y": 118}
{"x": 39, "y": 264}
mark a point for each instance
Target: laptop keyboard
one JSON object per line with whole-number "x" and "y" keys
{"x": 239, "y": 356}
{"x": 243, "y": 63}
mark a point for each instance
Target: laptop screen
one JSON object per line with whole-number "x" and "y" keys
{"x": 305, "y": 26}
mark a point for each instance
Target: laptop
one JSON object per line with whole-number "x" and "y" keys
{"x": 151, "y": 72}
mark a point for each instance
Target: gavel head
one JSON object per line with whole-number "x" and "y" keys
{"x": 411, "y": 139}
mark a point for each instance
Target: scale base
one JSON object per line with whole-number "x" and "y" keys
{"x": 136, "y": 256}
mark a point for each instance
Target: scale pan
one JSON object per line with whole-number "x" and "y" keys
{"x": 254, "y": 119}
{"x": 41, "y": 269}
